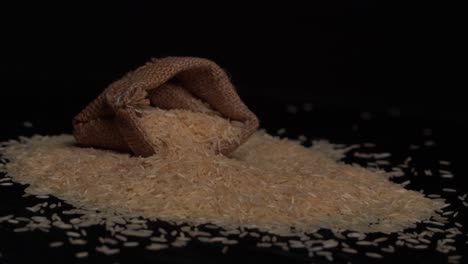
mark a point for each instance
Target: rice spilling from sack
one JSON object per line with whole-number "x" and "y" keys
{"x": 270, "y": 183}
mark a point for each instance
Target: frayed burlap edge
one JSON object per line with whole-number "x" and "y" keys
{"x": 111, "y": 121}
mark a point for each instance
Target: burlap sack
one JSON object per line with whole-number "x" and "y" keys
{"x": 112, "y": 120}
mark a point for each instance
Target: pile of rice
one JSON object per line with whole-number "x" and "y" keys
{"x": 270, "y": 183}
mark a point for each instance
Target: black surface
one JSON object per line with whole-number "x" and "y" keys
{"x": 391, "y": 134}
{"x": 344, "y": 57}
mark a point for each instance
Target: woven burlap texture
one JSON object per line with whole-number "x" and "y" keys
{"x": 111, "y": 121}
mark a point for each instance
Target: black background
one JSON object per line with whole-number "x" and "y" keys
{"x": 343, "y": 57}
{"x": 342, "y": 54}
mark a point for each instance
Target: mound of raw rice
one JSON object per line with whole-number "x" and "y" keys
{"x": 270, "y": 183}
